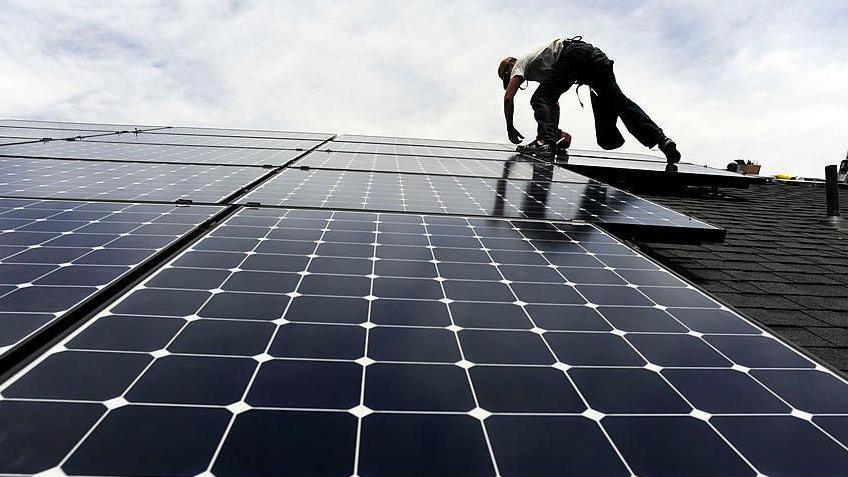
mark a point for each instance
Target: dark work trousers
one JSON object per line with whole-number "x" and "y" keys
{"x": 582, "y": 63}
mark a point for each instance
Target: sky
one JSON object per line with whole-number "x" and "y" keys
{"x": 759, "y": 80}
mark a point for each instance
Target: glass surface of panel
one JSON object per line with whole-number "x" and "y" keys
{"x": 49, "y": 178}
{"x": 349, "y": 336}
{"x": 538, "y": 198}
{"x": 514, "y": 166}
{"x": 116, "y": 151}
{"x": 55, "y": 254}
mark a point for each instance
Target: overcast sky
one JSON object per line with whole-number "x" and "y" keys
{"x": 756, "y": 80}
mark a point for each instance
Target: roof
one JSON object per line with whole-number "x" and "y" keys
{"x": 780, "y": 264}
{"x": 189, "y": 301}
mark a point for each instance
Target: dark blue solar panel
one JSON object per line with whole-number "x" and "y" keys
{"x": 55, "y": 254}
{"x": 48, "y": 178}
{"x": 319, "y": 342}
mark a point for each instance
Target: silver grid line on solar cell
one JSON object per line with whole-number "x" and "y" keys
{"x": 345, "y": 385}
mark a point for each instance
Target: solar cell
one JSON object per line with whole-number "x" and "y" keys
{"x": 317, "y": 342}
{"x": 208, "y": 140}
{"x": 56, "y": 254}
{"x": 537, "y": 198}
{"x": 49, "y": 178}
{"x": 513, "y": 166}
{"x": 411, "y": 141}
{"x": 116, "y": 151}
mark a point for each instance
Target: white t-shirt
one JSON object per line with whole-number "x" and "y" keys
{"x": 536, "y": 65}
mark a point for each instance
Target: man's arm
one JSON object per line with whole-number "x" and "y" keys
{"x": 509, "y": 107}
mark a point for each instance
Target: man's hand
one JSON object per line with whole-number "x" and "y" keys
{"x": 515, "y": 137}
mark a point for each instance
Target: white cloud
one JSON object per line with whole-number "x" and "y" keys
{"x": 760, "y": 80}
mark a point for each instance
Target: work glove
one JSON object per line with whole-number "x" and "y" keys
{"x": 515, "y": 137}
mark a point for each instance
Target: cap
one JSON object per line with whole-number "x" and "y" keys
{"x": 503, "y": 69}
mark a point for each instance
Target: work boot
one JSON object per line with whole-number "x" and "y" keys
{"x": 669, "y": 148}
{"x": 538, "y": 148}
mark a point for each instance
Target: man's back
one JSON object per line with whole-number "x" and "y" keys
{"x": 534, "y": 66}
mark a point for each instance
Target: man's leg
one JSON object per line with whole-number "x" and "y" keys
{"x": 640, "y": 125}
{"x": 545, "y": 99}
{"x": 606, "y": 116}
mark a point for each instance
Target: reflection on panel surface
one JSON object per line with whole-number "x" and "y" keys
{"x": 55, "y": 254}
{"x": 538, "y": 198}
{"x": 48, "y": 178}
{"x": 316, "y": 342}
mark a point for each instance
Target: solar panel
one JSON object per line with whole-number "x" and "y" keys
{"x": 116, "y": 151}
{"x": 610, "y": 166}
{"x": 378, "y": 191}
{"x": 514, "y": 166}
{"x": 207, "y": 140}
{"x": 421, "y": 142}
{"x": 255, "y": 133}
{"x": 319, "y": 342}
{"x": 89, "y": 180}
{"x": 56, "y": 254}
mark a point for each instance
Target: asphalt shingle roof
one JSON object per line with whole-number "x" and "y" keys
{"x": 780, "y": 264}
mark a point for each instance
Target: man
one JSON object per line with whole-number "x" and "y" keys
{"x": 556, "y": 67}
